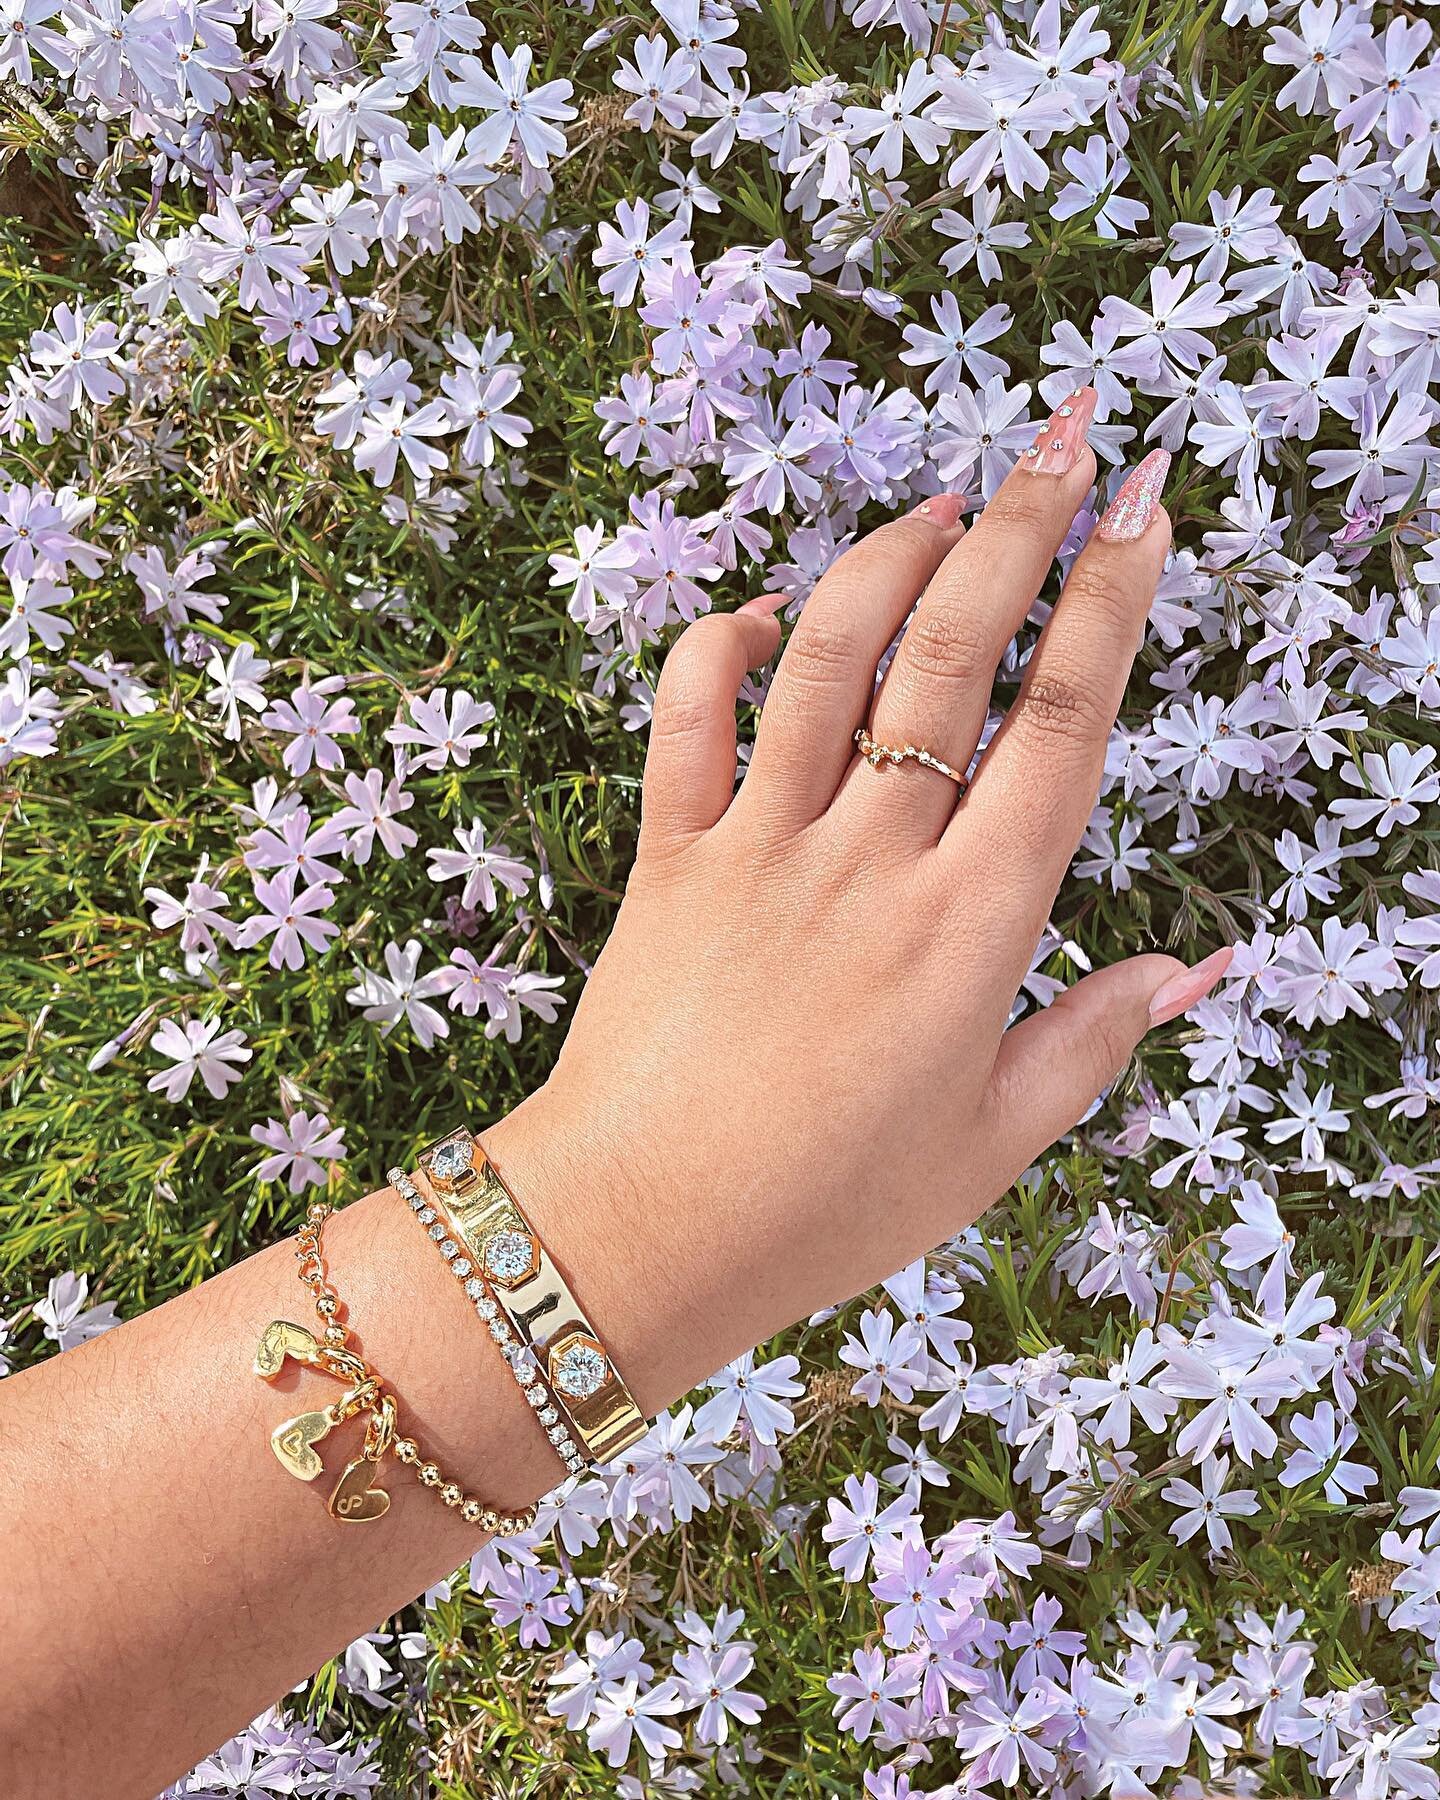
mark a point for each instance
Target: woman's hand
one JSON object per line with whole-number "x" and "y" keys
{"x": 790, "y": 1072}
{"x": 788, "y": 1076}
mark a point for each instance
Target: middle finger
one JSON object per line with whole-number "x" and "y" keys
{"x": 937, "y": 689}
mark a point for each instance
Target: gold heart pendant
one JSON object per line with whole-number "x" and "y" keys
{"x": 354, "y": 1500}
{"x": 279, "y": 1340}
{"x": 292, "y": 1442}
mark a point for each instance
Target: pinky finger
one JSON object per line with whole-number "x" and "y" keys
{"x": 690, "y": 764}
{"x": 1055, "y": 1063}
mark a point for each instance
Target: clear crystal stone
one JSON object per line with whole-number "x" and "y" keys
{"x": 414, "y": 1196}
{"x": 499, "y": 1330}
{"x": 437, "y": 1230}
{"x": 449, "y": 1248}
{"x": 549, "y": 1416}
{"x": 426, "y": 1214}
{"x": 536, "y": 1396}
{"x": 452, "y": 1159}
{"x": 475, "y": 1287}
{"x": 487, "y": 1309}
{"x": 557, "y": 1434}
{"x": 462, "y": 1266}
{"x": 509, "y": 1254}
{"x": 581, "y": 1370}
{"x": 575, "y": 1463}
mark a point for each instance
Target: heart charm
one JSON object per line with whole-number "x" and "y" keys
{"x": 354, "y": 1500}
{"x": 293, "y": 1443}
{"x": 279, "y": 1340}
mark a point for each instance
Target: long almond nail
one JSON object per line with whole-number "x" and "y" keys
{"x": 1184, "y": 991}
{"x": 943, "y": 510}
{"x": 1061, "y": 442}
{"x": 1130, "y": 512}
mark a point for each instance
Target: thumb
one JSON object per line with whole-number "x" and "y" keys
{"x": 1053, "y": 1064}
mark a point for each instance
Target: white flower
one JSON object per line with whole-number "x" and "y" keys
{"x": 197, "y": 1047}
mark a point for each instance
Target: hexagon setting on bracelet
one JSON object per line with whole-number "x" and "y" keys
{"x": 579, "y": 1366}
{"x": 450, "y": 1161}
{"x": 510, "y": 1256}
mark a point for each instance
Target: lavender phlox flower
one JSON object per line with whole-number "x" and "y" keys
{"x": 1209, "y": 1506}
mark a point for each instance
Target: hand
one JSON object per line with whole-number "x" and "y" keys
{"x": 790, "y": 1071}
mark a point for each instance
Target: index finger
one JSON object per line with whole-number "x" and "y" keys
{"x": 1036, "y": 785}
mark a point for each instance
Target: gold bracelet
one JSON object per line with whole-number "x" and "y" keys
{"x": 547, "y": 1322}
{"x": 356, "y": 1497}
{"x": 519, "y": 1360}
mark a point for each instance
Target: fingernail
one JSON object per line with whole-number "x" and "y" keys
{"x": 1182, "y": 992}
{"x": 943, "y": 510}
{"x": 766, "y": 605}
{"x": 1061, "y": 442}
{"x": 1132, "y": 509}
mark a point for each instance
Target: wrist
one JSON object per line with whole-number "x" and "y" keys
{"x": 646, "y": 1288}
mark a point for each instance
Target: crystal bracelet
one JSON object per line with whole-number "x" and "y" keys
{"x": 546, "y": 1336}
{"x": 518, "y": 1360}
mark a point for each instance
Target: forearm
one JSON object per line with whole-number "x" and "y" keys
{"x": 161, "y": 1564}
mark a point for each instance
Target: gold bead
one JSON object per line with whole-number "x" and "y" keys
{"x": 472, "y": 1512}
{"x": 335, "y": 1336}
{"x": 317, "y": 1214}
{"x": 450, "y": 1494}
{"x": 429, "y": 1473}
{"x": 327, "y": 1306}
{"x": 490, "y": 1520}
{"x": 406, "y": 1449}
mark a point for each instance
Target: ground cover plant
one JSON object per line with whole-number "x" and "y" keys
{"x": 381, "y": 388}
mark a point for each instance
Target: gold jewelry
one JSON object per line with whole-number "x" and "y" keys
{"x": 550, "y": 1331}
{"x": 876, "y": 753}
{"x": 519, "y": 1359}
{"x": 356, "y": 1498}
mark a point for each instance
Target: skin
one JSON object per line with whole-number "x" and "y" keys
{"x": 789, "y": 1075}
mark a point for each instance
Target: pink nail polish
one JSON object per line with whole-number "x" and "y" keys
{"x": 1132, "y": 509}
{"x": 1061, "y": 442}
{"x": 943, "y": 510}
{"x": 1183, "y": 991}
{"x": 767, "y": 605}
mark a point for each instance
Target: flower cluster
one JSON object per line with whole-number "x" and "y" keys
{"x": 414, "y": 377}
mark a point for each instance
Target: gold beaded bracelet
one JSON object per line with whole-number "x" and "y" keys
{"x": 356, "y": 1497}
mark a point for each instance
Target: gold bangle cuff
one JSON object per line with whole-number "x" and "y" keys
{"x": 532, "y": 1293}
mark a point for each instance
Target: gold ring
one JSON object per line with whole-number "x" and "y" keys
{"x": 876, "y": 753}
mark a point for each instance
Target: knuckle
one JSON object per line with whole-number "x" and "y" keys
{"x": 681, "y": 714}
{"x": 820, "y": 654}
{"x": 1016, "y": 506}
{"x": 945, "y": 643}
{"x": 1102, "y": 1047}
{"x": 1092, "y": 591}
{"x": 1058, "y": 706}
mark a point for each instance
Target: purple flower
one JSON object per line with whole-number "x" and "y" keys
{"x": 300, "y": 1147}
